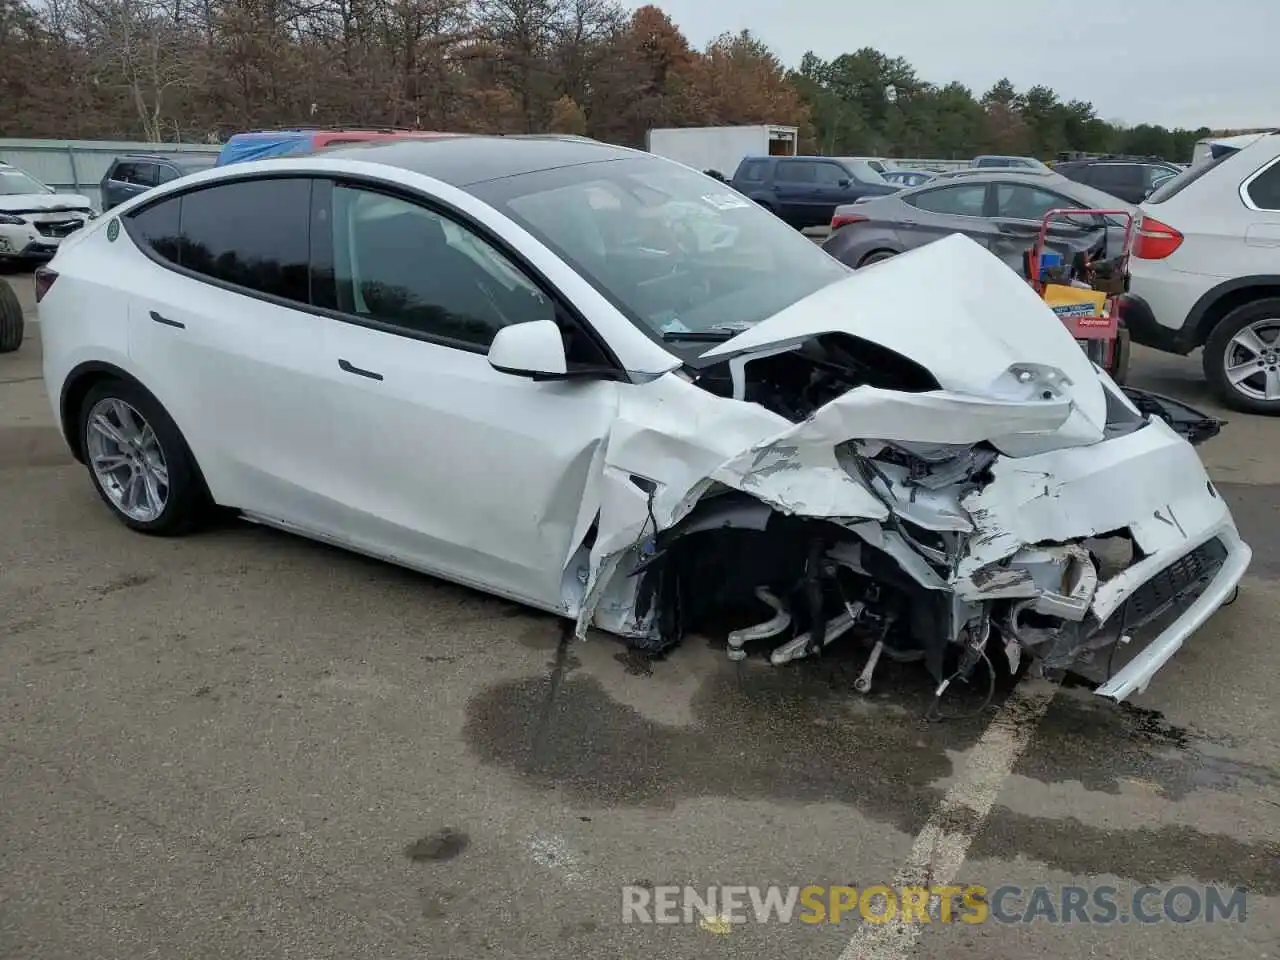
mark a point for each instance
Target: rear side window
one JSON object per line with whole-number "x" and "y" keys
{"x": 964, "y": 200}
{"x": 1110, "y": 177}
{"x": 251, "y": 233}
{"x": 753, "y": 171}
{"x": 1171, "y": 188}
{"x": 800, "y": 172}
{"x": 156, "y": 228}
{"x": 1017, "y": 201}
{"x": 1263, "y": 190}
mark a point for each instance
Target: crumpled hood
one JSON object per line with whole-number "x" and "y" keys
{"x": 955, "y": 309}
{"x": 44, "y": 201}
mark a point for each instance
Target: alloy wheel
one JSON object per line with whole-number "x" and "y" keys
{"x": 1251, "y": 361}
{"x": 127, "y": 460}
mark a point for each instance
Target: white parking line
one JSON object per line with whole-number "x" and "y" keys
{"x": 941, "y": 847}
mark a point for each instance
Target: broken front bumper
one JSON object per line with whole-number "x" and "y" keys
{"x": 1148, "y": 485}
{"x": 1206, "y": 574}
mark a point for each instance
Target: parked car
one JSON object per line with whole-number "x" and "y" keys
{"x": 34, "y": 217}
{"x": 1132, "y": 180}
{"x": 879, "y": 164}
{"x": 1206, "y": 272}
{"x": 1001, "y": 209}
{"x": 989, "y": 160}
{"x": 456, "y": 356}
{"x": 908, "y": 178}
{"x": 137, "y": 173}
{"x": 261, "y": 144}
{"x": 804, "y": 191}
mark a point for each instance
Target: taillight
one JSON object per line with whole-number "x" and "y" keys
{"x": 44, "y": 280}
{"x": 844, "y": 219}
{"x": 1155, "y": 240}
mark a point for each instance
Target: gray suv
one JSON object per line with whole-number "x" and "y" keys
{"x": 131, "y": 175}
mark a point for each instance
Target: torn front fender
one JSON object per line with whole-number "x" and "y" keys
{"x": 1189, "y": 423}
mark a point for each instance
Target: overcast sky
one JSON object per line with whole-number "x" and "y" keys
{"x": 1181, "y": 63}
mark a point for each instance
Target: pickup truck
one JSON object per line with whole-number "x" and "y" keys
{"x": 805, "y": 191}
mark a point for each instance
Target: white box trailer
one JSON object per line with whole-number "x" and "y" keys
{"x": 721, "y": 148}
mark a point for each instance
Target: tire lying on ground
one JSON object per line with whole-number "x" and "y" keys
{"x": 11, "y": 323}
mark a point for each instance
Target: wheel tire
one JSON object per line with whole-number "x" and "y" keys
{"x": 12, "y": 325}
{"x": 1120, "y": 363}
{"x": 187, "y": 501}
{"x": 878, "y": 257}
{"x": 1215, "y": 355}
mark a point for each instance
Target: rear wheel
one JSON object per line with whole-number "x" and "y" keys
{"x": 12, "y": 326}
{"x": 139, "y": 462}
{"x": 1242, "y": 357}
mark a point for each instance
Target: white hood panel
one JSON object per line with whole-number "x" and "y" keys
{"x": 950, "y": 306}
{"x": 44, "y": 201}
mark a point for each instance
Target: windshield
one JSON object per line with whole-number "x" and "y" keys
{"x": 865, "y": 170}
{"x": 14, "y": 182}
{"x": 679, "y": 253}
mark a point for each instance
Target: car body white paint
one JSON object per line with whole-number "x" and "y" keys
{"x": 499, "y": 492}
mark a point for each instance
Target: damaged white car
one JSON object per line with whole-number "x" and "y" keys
{"x": 602, "y": 384}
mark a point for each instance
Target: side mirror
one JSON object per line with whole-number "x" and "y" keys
{"x": 533, "y": 349}
{"x": 845, "y": 182}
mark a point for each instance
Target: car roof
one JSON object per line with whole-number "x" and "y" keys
{"x": 465, "y": 160}
{"x": 162, "y": 158}
{"x": 996, "y": 173}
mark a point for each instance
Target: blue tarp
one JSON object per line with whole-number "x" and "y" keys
{"x": 258, "y": 146}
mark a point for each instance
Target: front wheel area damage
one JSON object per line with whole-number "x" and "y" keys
{"x": 941, "y": 550}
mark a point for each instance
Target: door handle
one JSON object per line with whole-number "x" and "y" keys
{"x": 167, "y": 322}
{"x": 350, "y": 368}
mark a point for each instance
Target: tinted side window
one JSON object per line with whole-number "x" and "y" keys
{"x": 1264, "y": 190}
{"x": 754, "y": 170}
{"x": 966, "y": 200}
{"x": 1017, "y": 201}
{"x": 156, "y": 227}
{"x": 407, "y": 266}
{"x": 830, "y": 174}
{"x": 168, "y": 173}
{"x": 252, "y": 233}
{"x": 1171, "y": 188}
{"x": 1109, "y": 177}
{"x": 800, "y": 172}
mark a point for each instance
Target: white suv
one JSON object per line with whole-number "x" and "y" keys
{"x": 1205, "y": 272}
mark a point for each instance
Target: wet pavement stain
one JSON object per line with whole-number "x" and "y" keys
{"x": 444, "y": 844}
{"x": 796, "y": 734}
{"x": 1148, "y": 855}
{"x": 801, "y": 735}
{"x": 1102, "y": 745}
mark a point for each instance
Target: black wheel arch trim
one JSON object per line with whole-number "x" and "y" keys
{"x": 1195, "y": 331}
{"x": 91, "y": 371}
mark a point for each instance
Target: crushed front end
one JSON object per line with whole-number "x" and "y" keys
{"x": 957, "y": 503}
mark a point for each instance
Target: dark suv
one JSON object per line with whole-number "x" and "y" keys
{"x": 1128, "y": 178}
{"x": 131, "y": 175}
{"x": 805, "y": 191}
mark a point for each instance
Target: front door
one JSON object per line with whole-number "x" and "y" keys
{"x": 444, "y": 463}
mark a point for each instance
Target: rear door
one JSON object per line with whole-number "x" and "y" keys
{"x": 795, "y": 183}
{"x": 956, "y": 207}
{"x": 1018, "y": 211}
{"x": 1261, "y": 196}
{"x": 221, "y": 324}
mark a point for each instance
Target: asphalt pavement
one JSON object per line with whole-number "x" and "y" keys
{"x": 242, "y": 744}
